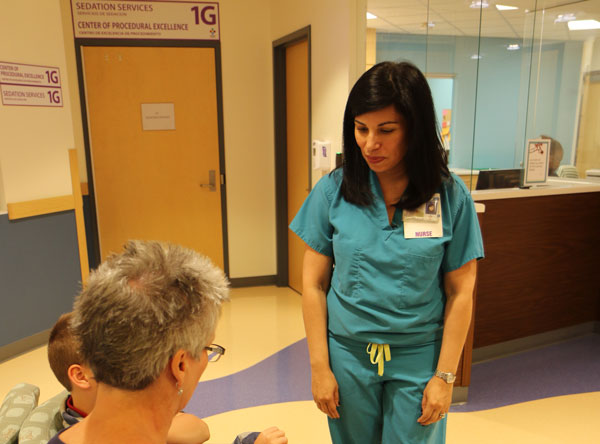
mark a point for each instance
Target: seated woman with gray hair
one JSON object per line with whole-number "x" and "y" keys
{"x": 145, "y": 321}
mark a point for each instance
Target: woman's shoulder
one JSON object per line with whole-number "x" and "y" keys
{"x": 455, "y": 190}
{"x": 454, "y": 185}
{"x": 330, "y": 183}
{"x": 333, "y": 178}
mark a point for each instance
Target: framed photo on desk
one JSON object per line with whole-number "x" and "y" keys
{"x": 537, "y": 155}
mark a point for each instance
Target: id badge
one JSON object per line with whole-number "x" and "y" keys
{"x": 425, "y": 221}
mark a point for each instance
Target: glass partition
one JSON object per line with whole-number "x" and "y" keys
{"x": 501, "y": 72}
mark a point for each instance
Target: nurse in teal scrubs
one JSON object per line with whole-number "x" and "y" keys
{"x": 392, "y": 241}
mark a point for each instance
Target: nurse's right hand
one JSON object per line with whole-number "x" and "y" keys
{"x": 325, "y": 392}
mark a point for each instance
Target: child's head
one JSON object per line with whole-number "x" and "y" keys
{"x": 67, "y": 365}
{"x": 63, "y": 350}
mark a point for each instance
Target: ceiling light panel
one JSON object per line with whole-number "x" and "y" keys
{"x": 454, "y": 17}
{"x": 506, "y": 8}
{"x": 478, "y": 4}
{"x": 583, "y": 25}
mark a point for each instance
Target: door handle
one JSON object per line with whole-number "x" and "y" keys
{"x": 211, "y": 185}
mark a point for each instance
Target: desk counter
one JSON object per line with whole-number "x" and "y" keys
{"x": 542, "y": 267}
{"x": 555, "y": 186}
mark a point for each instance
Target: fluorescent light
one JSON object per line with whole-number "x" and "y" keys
{"x": 476, "y": 4}
{"x": 581, "y": 25}
{"x": 563, "y": 18}
{"x": 513, "y": 47}
{"x": 476, "y": 57}
{"x": 505, "y": 8}
{"x": 371, "y": 16}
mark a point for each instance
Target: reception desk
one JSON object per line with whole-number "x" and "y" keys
{"x": 463, "y": 373}
{"x": 541, "y": 272}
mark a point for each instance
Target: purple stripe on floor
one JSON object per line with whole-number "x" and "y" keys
{"x": 561, "y": 369}
{"x": 283, "y": 377}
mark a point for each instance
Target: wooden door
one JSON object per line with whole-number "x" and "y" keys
{"x": 588, "y": 154}
{"x": 298, "y": 148}
{"x": 150, "y": 184}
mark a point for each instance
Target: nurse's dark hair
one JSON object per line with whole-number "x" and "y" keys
{"x": 405, "y": 87}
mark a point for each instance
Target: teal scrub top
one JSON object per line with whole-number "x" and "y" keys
{"x": 384, "y": 288}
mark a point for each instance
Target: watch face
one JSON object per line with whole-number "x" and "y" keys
{"x": 448, "y": 377}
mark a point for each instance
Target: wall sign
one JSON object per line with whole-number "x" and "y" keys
{"x": 30, "y": 85}
{"x": 136, "y": 19}
{"x": 536, "y": 162}
{"x": 158, "y": 116}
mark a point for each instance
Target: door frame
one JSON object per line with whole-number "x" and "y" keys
{"x": 280, "y": 117}
{"x": 93, "y": 235}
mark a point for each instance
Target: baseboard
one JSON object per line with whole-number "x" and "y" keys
{"x": 254, "y": 281}
{"x": 507, "y": 348}
{"x": 460, "y": 395}
{"x": 21, "y": 346}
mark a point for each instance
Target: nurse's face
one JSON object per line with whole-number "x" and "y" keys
{"x": 381, "y": 135}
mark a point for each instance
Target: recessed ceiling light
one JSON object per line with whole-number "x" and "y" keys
{"x": 476, "y": 4}
{"x": 581, "y": 25}
{"x": 513, "y": 47}
{"x": 476, "y": 57}
{"x": 371, "y": 16}
{"x": 562, "y": 18}
{"x": 505, "y": 8}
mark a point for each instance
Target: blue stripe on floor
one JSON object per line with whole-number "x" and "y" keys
{"x": 561, "y": 369}
{"x": 283, "y": 377}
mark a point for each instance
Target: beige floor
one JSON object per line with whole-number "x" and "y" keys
{"x": 262, "y": 320}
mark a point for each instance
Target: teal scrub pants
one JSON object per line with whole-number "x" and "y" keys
{"x": 383, "y": 409}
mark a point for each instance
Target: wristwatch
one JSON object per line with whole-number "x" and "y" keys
{"x": 446, "y": 376}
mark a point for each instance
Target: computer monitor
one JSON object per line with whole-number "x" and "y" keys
{"x": 491, "y": 179}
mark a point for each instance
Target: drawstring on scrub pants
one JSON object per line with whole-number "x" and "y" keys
{"x": 377, "y": 353}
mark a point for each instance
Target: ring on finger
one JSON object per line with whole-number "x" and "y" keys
{"x": 442, "y": 415}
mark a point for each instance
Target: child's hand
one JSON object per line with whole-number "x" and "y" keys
{"x": 271, "y": 436}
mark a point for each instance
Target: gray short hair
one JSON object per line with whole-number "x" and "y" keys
{"x": 141, "y": 306}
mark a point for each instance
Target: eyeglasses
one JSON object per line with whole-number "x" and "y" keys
{"x": 214, "y": 352}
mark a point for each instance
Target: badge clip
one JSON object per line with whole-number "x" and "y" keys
{"x": 428, "y": 212}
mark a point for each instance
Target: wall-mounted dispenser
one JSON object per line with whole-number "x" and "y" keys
{"x": 321, "y": 155}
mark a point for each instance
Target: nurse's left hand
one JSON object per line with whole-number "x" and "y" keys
{"x": 436, "y": 401}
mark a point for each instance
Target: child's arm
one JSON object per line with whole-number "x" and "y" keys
{"x": 187, "y": 429}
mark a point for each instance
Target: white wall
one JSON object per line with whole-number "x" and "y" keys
{"x": 248, "y": 30}
{"x": 248, "y": 128}
{"x": 72, "y": 83}
{"x": 249, "y": 148}
{"x": 35, "y": 140}
{"x": 33, "y": 152}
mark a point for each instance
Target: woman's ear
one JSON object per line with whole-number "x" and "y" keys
{"x": 79, "y": 376}
{"x": 178, "y": 366}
